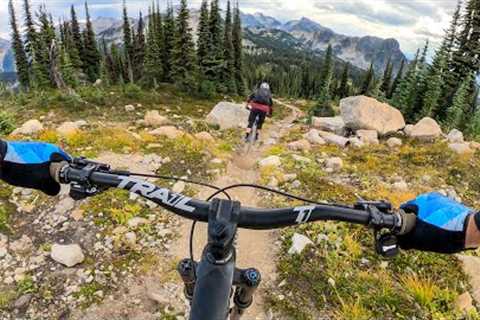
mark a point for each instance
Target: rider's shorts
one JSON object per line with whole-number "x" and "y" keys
{"x": 253, "y": 115}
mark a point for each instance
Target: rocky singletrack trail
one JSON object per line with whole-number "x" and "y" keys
{"x": 254, "y": 248}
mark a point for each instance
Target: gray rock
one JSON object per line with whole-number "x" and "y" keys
{"x": 362, "y": 112}
{"x": 400, "y": 186}
{"x": 356, "y": 142}
{"x": 301, "y": 159}
{"x": 273, "y": 161}
{"x": 330, "y": 124}
{"x": 22, "y": 245}
{"x": 68, "y": 255}
{"x": 300, "y": 145}
{"x": 23, "y": 301}
{"x": 314, "y": 138}
{"x": 129, "y": 108}
{"x": 179, "y": 187}
{"x": 368, "y": 136}
{"x": 228, "y": 115}
{"x": 334, "y": 139}
{"x": 29, "y": 127}
{"x": 334, "y": 164}
{"x": 455, "y": 136}
{"x": 170, "y": 132}
{"x": 461, "y": 148}
{"x": 154, "y": 119}
{"x": 426, "y": 129}
{"x": 464, "y": 302}
{"x": 299, "y": 242}
{"x": 394, "y": 142}
{"x": 67, "y": 128}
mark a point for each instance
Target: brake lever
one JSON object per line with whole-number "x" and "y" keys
{"x": 82, "y": 188}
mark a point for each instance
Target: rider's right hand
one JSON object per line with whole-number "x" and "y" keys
{"x": 27, "y": 165}
{"x": 441, "y": 224}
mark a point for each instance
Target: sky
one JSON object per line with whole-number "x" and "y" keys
{"x": 411, "y": 22}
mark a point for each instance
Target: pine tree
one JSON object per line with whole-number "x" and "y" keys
{"x": 216, "y": 54}
{"x": 238, "y": 51}
{"x": 128, "y": 44}
{"x": 153, "y": 54}
{"x": 92, "y": 56}
{"x": 406, "y": 92}
{"x": 31, "y": 33}
{"x": 184, "y": 51}
{"x": 368, "y": 83}
{"x": 139, "y": 50}
{"x": 169, "y": 43}
{"x": 421, "y": 84}
{"x": 327, "y": 68}
{"x": 118, "y": 63}
{"x": 203, "y": 43}
{"x": 473, "y": 125}
{"x": 343, "y": 90}
{"x": 397, "y": 80}
{"x": 387, "y": 77}
{"x": 456, "y": 112}
{"x": 77, "y": 41}
{"x": 71, "y": 48}
{"x": 228, "y": 54}
{"x": 19, "y": 50}
{"x": 67, "y": 69}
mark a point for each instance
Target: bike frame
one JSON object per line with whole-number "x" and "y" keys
{"x": 209, "y": 285}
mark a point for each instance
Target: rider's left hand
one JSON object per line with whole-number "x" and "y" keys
{"x": 27, "y": 165}
{"x": 441, "y": 224}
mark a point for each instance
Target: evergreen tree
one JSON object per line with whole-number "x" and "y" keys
{"x": 215, "y": 58}
{"x": 406, "y": 92}
{"x": 228, "y": 55}
{"x": 397, "y": 80}
{"x": 77, "y": 41}
{"x": 238, "y": 51}
{"x": 433, "y": 89}
{"x": 473, "y": 125}
{"x": 456, "y": 112}
{"x": 118, "y": 69}
{"x": 18, "y": 49}
{"x": 368, "y": 82}
{"x": 139, "y": 50}
{"x": 153, "y": 54}
{"x": 387, "y": 78}
{"x": 343, "y": 90}
{"x": 184, "y": 51}
{"x": 327, "y": 68}
{"x": 203, "y": 43}
{"x": 169, "y": 43}
{"x": 92, "y": 56}
{"x": 71, "y": 48}
{"x": 31, "y": 33}
{"x": 67, "y": 68}
{"x": 127, "y": 44}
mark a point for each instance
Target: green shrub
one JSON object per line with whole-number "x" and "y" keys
{"x": 6, "y": 123}
{"x": 93, "y": 95}
{"x": 206, "y": 90}
{"x": 132, "y": 91}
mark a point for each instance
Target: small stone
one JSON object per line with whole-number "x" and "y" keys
{"x": 204, "y": 136}
{"x": 331, "y": 282}
{"x": 68, "y": 255}
{"x": 77, "y": 215}
{"x": 129, "y": 108}
{"x": 289, "y": 177}
{"x": 29, "y": 127}
{"x": 299, "y": 242}
{"x": 179, "y": 187}
{"x": 368, "y": 136}
{"x": 301, "y": 159}
{"x": 464, "y": 302}
{"x": 137, "y": 221}
{"x": 356, "y": 142}
{"x": 169, "y": 131}
{"x": 334, "y": 164}
{"x": 394, "y": 142}
{"x": 131, "y": 238}
{"x": 300, "y": 145}
{"x": 22, "y": 246}
{"x": 461, "y": 148}
{"x": 314, "y": 138}
{"x": 67, "y": 129}
{"x": 154, "y": 119}
{"x": 334, "y": 139}
{"x": 23, "y": 301}
{"x": 296, "y": 184}
{"x": 400, "y": 186}
{"x": 272, "y": 161}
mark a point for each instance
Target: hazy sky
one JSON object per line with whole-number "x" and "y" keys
{"x": 409, "y": 21}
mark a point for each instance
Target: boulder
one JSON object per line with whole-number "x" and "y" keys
{"x": 168, "y": 131}
{"x": 475, "y": 145}
{"x": 204, "y": 136}
{"x": 461, "y": 148}
{"x": 68, "y": 128}
{"x": 426, "y": 129}
{"x": 68, "y": 255}
{"x": 272, "y": 161}
{"x": 394, "y": 142}
{"x": 362, "y": 112}
{"x": 299, "y": 242}
{"x": 313, "y": 137}
{"x": 464, "y": 302}
{"x": 356, "y": 142}
{"x": 455, "y": 136}
{"x": 334, "y": 139}
{"x": 408, "y": 129}
{"x": 334, "y": 164}
{"x": 330, "y": 124}
{"x": 368, "y": 136}
{"x": 28, "y": 128}
{"x": 300, "y": 145}
{"x": 228, "y": 115}
{"x": 154, "y": 119}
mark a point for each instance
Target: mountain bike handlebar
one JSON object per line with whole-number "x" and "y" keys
{"x": 89, "y": 178}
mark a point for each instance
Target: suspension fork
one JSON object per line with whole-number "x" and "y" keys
{"x": 246, "y": 282}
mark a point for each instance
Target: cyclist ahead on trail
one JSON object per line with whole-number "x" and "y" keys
{"x": 260, "y": 104}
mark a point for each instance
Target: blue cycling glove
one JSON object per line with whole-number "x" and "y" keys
{"x": 27, "y": 165}
{"x": 441, "y": 224}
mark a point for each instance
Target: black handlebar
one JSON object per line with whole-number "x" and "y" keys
{"x": 88, "y": 178}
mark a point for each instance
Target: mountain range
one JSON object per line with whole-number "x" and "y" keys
{"x": 263, "y": 33}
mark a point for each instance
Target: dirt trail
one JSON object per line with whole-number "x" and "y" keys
{"x": 254, "y": 248}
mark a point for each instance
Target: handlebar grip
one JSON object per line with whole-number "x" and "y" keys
{"x": 56, "y": 168}
{"x": 409, "y": 220}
